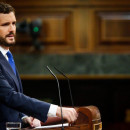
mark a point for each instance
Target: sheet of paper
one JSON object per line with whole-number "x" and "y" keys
{"x": 53, "y": 126}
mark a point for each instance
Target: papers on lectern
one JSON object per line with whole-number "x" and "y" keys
{"x": 53, "y": 126}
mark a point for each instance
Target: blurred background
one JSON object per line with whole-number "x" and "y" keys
{"x": 89, "y": 41}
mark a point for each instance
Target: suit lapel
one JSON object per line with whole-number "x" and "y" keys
{"x": 9, "y": 70}
{"x": 19, "y": 80}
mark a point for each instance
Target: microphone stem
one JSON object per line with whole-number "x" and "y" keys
{"x": 60, "y": 104}
{"x": 68, "y": 85}
{"x": 70, "y": 93}
{"x": 59, "y": 96}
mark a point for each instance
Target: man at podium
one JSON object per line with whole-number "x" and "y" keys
{"x": 14, "y": 105}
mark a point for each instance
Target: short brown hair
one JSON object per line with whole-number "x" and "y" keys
{"x": 6, "y": 8}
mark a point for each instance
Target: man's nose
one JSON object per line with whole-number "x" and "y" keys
{"x": 12, "y": 28}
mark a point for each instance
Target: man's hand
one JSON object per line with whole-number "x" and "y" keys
{"x": 69, "y": 114}
{"x": 33, "y": 122}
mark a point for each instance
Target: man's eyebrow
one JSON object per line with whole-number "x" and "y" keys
{"x": 4, "y": 23}
{"x": 7, "y": 22}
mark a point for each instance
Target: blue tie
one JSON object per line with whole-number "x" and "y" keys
{"x": 11, "y": 61}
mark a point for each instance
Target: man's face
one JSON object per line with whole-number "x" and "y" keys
{"x": 7, "y": 29}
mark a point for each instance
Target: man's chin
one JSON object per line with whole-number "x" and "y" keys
{"x": 9, "y": 44}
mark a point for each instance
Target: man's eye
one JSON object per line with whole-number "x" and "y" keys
{"x": 6, "y": 24}
{"x": 14, "y": 23}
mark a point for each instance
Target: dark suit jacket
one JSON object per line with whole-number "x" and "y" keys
{"x": 13, "y": 103}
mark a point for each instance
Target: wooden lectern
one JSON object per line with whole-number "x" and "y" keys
{"x": 89, "y": 119}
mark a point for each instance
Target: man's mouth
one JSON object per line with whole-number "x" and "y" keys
{"x": 10, "y": 35}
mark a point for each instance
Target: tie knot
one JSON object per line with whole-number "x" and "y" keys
{"x": 9, "y": 54}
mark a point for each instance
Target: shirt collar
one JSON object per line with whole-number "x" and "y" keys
{"x": 3, "y": 51}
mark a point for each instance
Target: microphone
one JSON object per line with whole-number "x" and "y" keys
{"x": 68, "y": 85}
{"x": 59, "y": 95}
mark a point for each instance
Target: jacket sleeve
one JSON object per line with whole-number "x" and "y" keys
{"x": 21, "y": 102}
{"x": 22, "y": 115}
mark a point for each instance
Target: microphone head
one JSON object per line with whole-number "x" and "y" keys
{"x": 51, "y": 72}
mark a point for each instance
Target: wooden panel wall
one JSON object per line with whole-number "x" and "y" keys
{"x": 76, "y": 26}
{"x": 55, "y": 31}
